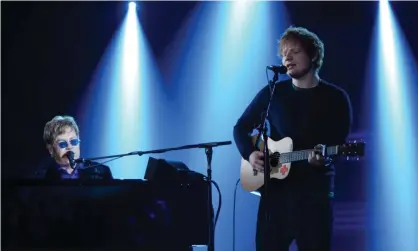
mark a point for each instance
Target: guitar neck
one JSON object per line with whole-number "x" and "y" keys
{"x": 304, "y": 154}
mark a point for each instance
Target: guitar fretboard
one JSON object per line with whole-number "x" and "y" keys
{"x": 304, "y": 154}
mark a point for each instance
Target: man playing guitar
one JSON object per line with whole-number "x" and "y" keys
{"x": 310, "y": 111}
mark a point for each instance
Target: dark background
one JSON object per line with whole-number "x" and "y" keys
{"x": 50, "y": 50}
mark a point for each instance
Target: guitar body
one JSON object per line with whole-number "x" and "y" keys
{"x": 252, "y": 180}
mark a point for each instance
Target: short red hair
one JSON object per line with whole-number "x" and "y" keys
{"x": 309, "y": 41}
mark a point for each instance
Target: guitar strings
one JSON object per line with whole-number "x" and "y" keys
{"x": 280, "y": 155}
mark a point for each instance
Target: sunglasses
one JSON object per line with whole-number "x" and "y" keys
{"x": 64, "y": 144}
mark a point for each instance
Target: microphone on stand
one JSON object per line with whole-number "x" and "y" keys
{"x": 277, "y": 68}
{"x": 70, "y": 156}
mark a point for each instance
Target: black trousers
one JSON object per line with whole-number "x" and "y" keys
{"x": 301, "y": 212}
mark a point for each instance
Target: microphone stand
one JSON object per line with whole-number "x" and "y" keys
{"x": 263, "y": 131}
{"x": 209, "y": 152}
{"x": 211, "y": 232}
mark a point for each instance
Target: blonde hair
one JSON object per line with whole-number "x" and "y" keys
{"x": 309, "y": 41}
{"x": 57, "y": 126}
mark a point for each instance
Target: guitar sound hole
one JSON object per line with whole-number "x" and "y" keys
{"x": 274, "y": 159}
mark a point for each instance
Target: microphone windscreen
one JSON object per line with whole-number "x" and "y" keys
{"x": 70, "y": 155}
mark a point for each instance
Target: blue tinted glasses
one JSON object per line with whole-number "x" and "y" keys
{"x": 64, "y": 144}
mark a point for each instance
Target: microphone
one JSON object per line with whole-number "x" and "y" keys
{"x": 82, "y": 160}
{"x": 277, "y": 68}
{"x": 70, "y": 156}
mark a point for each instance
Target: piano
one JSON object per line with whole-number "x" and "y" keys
{"x": 104, "y": 215}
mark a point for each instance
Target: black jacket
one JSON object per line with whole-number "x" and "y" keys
{"x": 87, "y": 171}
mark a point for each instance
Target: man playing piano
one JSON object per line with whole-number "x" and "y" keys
{"x": 61, "y": 136}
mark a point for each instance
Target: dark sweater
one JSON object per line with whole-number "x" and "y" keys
{"x": 311, "y": 116}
